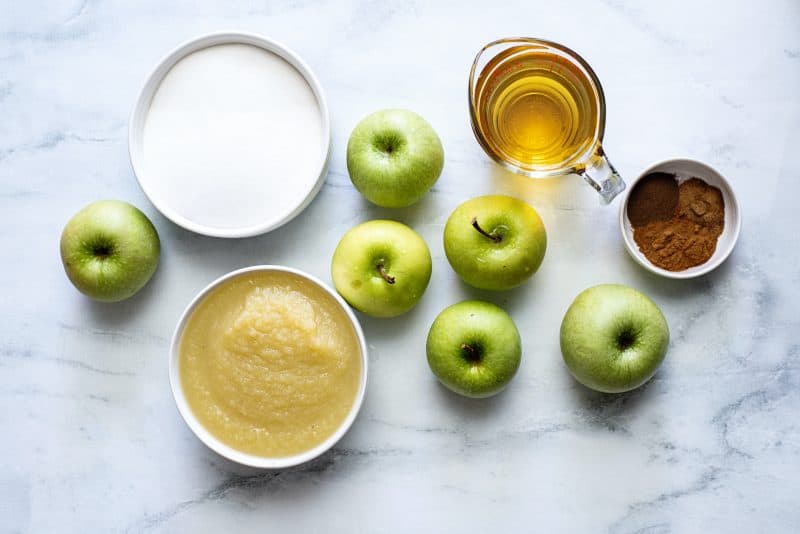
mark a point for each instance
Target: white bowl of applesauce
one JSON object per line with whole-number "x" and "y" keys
{"x": 268, "y": 366}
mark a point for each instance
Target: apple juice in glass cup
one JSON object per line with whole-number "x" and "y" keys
{"x": 538, "y": 109}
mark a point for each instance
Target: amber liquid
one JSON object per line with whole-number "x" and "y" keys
{"x": 536, "y": 109}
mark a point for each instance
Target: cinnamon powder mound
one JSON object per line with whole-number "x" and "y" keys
{"x": 676, "y": 226}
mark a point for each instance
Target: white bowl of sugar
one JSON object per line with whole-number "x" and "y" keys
{"x": 230, "y": 135}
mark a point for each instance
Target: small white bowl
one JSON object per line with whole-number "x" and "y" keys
{"x": 684, "y": 169}
{"x": 227, "y": 451}
{"x": 139, "y": 116}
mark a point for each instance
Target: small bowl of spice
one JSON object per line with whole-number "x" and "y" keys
{"x": 680, "y": 219}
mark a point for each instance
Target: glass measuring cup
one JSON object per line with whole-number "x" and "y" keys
{"x": 538, "y": 109}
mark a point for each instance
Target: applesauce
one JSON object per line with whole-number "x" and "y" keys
{"x": 270, "y": 364}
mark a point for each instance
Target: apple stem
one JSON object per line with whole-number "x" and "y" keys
{"x": 386, "y": 276}
{"x": 493, "y": 236}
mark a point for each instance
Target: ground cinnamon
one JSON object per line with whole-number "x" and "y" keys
{"x": 676, "y": 226}
{"x": 655, "y": 198}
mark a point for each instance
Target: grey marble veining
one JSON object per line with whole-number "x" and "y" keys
{"x": 93, "y": 442}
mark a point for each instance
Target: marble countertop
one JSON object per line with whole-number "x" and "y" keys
{"x": 93, "y": 441}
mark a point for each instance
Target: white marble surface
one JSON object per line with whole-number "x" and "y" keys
{"x": 93, "y": 442}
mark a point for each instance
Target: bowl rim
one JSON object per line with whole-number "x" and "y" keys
{"x": 700, "y": 270}
{"x": 217, "y": 445}
{"x": 153, "y": 81}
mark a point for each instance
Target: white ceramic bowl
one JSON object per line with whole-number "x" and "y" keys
{"x": 227, "y": 451}
{"x": 685, "y": 169}
{"x": 271, "y": 220}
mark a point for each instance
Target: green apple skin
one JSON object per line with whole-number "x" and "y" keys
{"x": 501, "y": 262}
{"x": 371, "y": 248}
{"x": 474, "y": 348}
{"x": 613, "y": 338}
{"x": 394, "y": 157}
{"x": 110, "y": 250}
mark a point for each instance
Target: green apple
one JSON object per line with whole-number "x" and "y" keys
{"x": 474, "y": 348}
{"x": 381, "y": 268}
{"x": 495, "y": 242}
{"x": 613, "y": 338}
{"x": 394, "y": 157}
{"x": 109, "y": 250}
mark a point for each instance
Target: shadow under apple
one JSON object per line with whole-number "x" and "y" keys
{"x": 510, "y": 300}
{"x": 409, "y": 215}
{"x": 389, "y": 327}
{"x": 611, "y": 411}
{"x": 468, "y": 408}
{"x": 120, "y": 314}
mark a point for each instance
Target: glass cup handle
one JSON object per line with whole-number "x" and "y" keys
{"x": 601, "y": 174}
